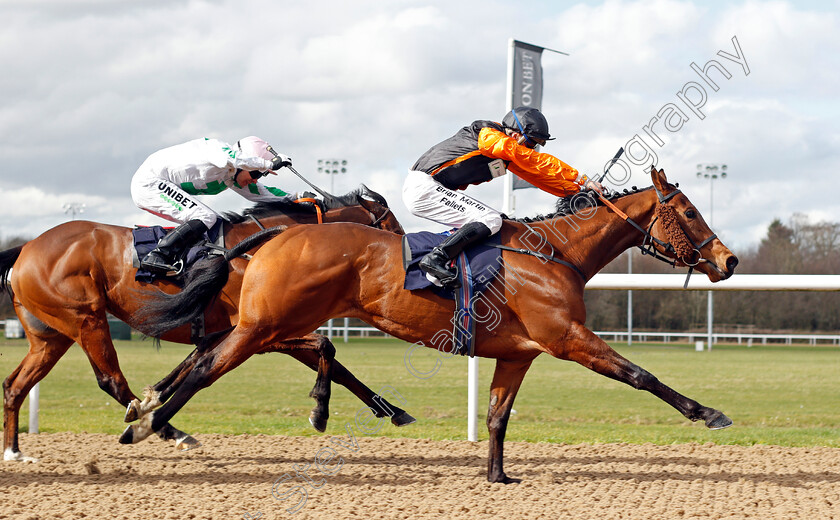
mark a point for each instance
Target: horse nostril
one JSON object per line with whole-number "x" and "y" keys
{"x": 731, "y": 263}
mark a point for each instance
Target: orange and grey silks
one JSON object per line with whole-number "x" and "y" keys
{"x": 482, "y": 151}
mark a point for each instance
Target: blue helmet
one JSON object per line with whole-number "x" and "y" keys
{"x": 529, "y": 122}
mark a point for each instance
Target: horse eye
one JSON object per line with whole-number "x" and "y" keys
{"x": 690, "y": 213}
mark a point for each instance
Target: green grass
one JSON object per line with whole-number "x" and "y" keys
{"x": 776, "y": 395}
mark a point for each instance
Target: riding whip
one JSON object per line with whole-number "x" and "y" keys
{"x": 321, "y": 192}
{"x": 613, "y": 161}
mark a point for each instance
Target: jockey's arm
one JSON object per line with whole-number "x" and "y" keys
{"x": 543, "y": 170}
{"x": 257, "y": 192}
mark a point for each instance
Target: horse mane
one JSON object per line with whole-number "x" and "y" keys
{"x": 288, "y": 207}
{"x": 563, "y": 206}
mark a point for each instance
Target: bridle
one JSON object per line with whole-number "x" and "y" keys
{"x": 668, "y": 246}
{"x": 649, "y": 242}
{"x": 377, "y": 220}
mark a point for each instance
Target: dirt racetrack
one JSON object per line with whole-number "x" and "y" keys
{"x": 231, "y": 477}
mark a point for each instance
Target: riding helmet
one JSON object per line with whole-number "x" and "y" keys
{"x": 253, "y": 146}
{"x": 527, "y": 121}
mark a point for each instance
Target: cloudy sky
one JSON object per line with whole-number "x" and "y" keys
{"x": 90, "y": 88}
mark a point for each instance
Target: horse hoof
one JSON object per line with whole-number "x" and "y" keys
{"x": 127, "y": 436}
{"x": 718, "y": 421}
{"x": 17, "y": 456}
{"x": 187, "y": 443}
{"x": 135, "y": 433}
{"x": 319, "y": 423}
{"x": 132, "y": 412}
{"x": 504, "y": 479}
{"x": 402, "y": 419}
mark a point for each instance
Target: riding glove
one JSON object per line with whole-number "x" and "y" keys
{"x": 280, "y": 161}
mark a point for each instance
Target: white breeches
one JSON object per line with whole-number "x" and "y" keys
{"x": 167, "y": 200}
{"x": 427, "y": 198}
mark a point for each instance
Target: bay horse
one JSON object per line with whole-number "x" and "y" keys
{"x": 535, "y": 307}
{"x": 68, "y": 279}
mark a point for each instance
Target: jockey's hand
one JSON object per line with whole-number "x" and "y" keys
{"x": 594, "y": 185}
{"x": 280, "y": 161}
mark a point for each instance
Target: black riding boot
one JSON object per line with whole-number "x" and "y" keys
{"x": 170, "y": 247}
{"x": 437, "y": 262}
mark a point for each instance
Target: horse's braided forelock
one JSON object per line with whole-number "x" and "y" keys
{"x": 673, "y": 232}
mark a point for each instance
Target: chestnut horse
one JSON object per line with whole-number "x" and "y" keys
{"x": 68, "y": 279}
{"x": 536, "y": 307}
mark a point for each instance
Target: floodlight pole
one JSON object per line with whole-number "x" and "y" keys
{"x": 332, "y": 167}
{"x": 711, "y": 172}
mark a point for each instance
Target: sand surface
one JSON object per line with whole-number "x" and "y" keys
{"x": 232, "y": 477}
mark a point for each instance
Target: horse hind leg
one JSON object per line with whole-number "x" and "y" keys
{"x": 592, "y": 352}
{"x": 46, "y": 347}
{"x": 157, "y": 394}
{"x": 241, "y": 344}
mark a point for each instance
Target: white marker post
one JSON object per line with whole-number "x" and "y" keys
{"x": 472, "y": 400}
{"x": 34, "y": 404}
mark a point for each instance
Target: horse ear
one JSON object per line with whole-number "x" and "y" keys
{"x": 659, "y": 180}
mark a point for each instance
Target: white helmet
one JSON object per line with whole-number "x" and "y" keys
{"x": 253, "y": 146}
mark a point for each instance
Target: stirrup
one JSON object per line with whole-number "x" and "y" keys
{"x": 179, "y": 267}
{"x": 448, "y": 278}
{"x": 163, "y": 267}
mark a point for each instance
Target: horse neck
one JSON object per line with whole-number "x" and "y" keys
{"x": 349, "y": 214}
{"x": 594, "y": 242}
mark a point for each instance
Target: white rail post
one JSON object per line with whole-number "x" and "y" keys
{"x": 472, "y": 399}
{"x": 34, "y": 404}
{"x": 710, "y": 317}
{"x": 346, "y": 330}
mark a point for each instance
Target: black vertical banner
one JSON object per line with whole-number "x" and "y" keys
{"x": 527, "y": 85}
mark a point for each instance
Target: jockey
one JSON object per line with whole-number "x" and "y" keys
{"x": 479, "y": 153}
{"x": 168, "y": 180}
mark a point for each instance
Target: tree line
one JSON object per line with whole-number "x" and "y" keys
{"x": 793, "y": 247}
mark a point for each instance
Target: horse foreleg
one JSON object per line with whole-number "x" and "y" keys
{"x": 506, "y": 381}
{"x": 318, "y": 353}
{"x": 44, "y": 353}
{"x": 341, "y": 375}
{"x": 380, "y": 406}
{"x": 590, "y": 351}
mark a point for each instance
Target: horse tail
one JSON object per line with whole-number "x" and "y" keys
{"x": 7, "y": 260}
{"x": 205, "y": 280}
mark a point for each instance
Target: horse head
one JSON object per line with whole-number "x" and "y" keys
{"x": 679, "y": 232}
{"x": 378, "y": 207}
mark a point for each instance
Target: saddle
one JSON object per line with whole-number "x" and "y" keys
{"x": 477, "y": 267}
{"x": 145, "y": 238}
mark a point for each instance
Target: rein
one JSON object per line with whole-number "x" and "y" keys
{"x": 541, "y": 256}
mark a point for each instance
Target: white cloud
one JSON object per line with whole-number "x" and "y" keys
{"x": 91, "y": 88}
